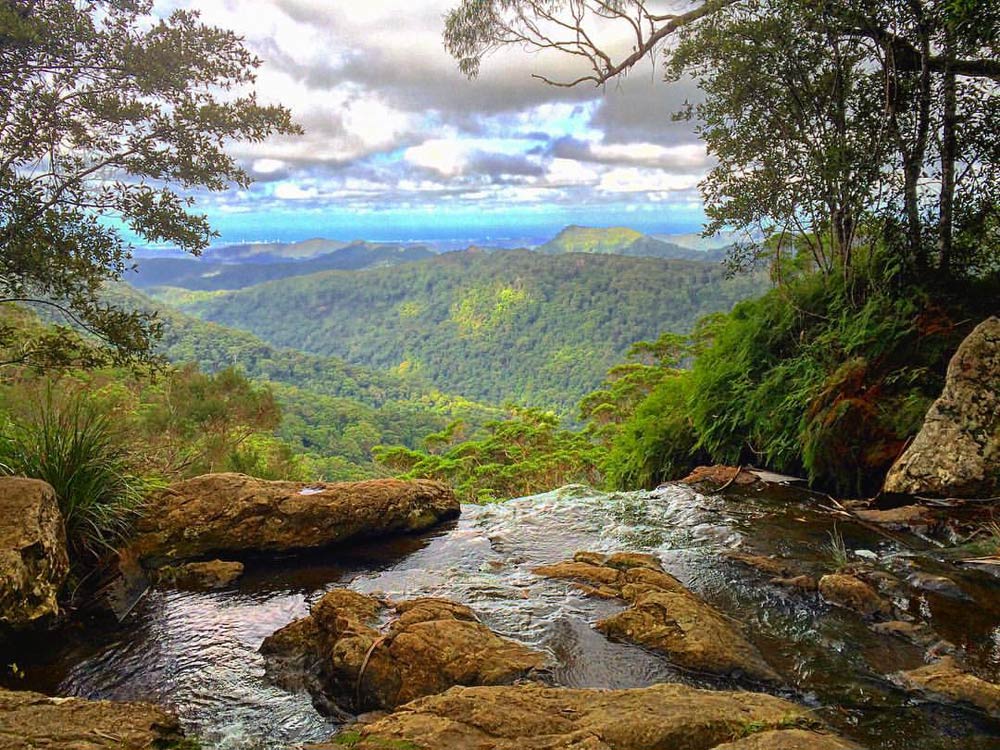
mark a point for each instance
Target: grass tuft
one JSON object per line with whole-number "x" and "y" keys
{"x": 74, "y": 447}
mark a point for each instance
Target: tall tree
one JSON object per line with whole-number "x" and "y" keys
{"x": 110, "y": 117}
{"x": 822, "y": 113}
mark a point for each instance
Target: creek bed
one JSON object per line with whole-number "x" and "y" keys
{"x": 197, "y": 652}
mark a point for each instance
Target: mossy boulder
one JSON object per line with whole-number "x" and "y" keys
{"x": 957, "y": 451}
{"x": 33, "y": 559}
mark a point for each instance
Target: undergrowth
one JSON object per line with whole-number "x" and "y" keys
{"x": 74, "y": 447}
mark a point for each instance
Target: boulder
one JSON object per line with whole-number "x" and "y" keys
{"x": 789, "y": 739}
{"x": 850, "y": 592}
{"x": 946, "y": 681}
{"x": 213, "y": 574}
{"x": 218, "y": 513}
{"x": 957, "y": 451}
{"x": 720, "y": 475}
{"x": 33, "y": 559}
{"x": 664, "y": 615}
{"x": 32, "y": 720}
{"x": 533, "y": 717}
{"x": 338, "y": 655}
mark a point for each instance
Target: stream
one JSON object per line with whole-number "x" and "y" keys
{"x": 197, "y": 652}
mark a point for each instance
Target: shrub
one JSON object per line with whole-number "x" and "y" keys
{"x": 73, "y": 447}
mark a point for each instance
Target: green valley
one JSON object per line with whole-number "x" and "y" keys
{"x": 515, "y": 326}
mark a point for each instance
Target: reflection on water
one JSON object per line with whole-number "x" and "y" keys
{"x": 197, "y": 652}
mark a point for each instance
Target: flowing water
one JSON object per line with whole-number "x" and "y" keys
{"x": 197, "y": 652}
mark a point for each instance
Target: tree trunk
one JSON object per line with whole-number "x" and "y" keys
{"x": 949, "y": 149}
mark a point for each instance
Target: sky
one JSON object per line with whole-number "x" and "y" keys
{"x": 399, "y": 145}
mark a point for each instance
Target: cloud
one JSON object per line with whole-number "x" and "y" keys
{"x": 391, "y": 123}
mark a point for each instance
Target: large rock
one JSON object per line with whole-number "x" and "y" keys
{"x": 432, "y": 644}
{"x": 236, "y": 513}
{"x": 664, "y": 616}
{"x": 957, "y": 451}
{"x": 33, "y": 560}
{"x": 944, "y": 680}
{"x": 533, "y": 717}
{"x": 850, "y": 592}
{"x": 32, "y": 721}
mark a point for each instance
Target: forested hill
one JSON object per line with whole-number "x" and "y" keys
{"x": 204, "y": 275}
{"x": 512, "y": 326}
{"x": 623, "y": 241}
{"x": 332, "y": 411}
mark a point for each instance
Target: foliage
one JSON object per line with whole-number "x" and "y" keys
{"x": 75, "y": 448}
{"x": 834, "y": 120}
{"x": 526, "y": 453}
{"x": 507, "y": 326}
{"x": 801, "y": 380}
{"x": 106, "y": 111}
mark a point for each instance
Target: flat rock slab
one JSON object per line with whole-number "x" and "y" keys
{"x": 664, "y": 616}
{"x": 789, "y": 739}
{"x": 338, "y": 655}
{"x": 220, "y": 513}
{"x": 947, "y": 682}
{"x": 33, "y": 558}
{"x": 32, "y": 721}
{"x": 534, "y": 717}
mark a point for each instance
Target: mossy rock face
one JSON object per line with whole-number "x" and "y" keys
{"x": 957, "y": 451}
{"x": 33, "y": 558}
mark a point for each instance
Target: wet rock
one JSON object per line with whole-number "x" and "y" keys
{"x": 32, "y": 720}
{"x": 804, "y": 582}
{"x": 667, "y": 617}
{"x": 913, "y": 632}
{"x": 940, "y": 585}
{"x": 718, "y": 475}
{"x": 339, "y": 656}
{"x": 852, "y": 593}
{"x": 945, "y": 681}
{"x": 906, "y": 517}
{"x": 769, "y": 565}
{"x": 789, "y": 739}
{"x": 532, "y": 717}
{"x": 957, "y": 451}
{"x": 33, "y": 559}
{"x": 235, "y": 513}
{"x": 214, "y": 574}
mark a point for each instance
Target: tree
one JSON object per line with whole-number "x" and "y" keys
{"x": 112, "y": 118}
{"x": 823, "y": 114}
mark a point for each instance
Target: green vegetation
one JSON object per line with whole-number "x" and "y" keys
{"x": 513, "y": 326}
{"x": 525, "y": 453}
{"x": 108, "y": 112}
{"x": 621, "y": 241}
{"x": 73, "y": 447}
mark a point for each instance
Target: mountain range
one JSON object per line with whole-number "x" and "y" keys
{"x": 520, "y": 326}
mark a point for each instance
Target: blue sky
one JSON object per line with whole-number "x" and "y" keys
{"x": 399, "y": 145}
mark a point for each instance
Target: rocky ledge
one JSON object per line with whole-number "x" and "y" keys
{"x": 218, "y": 513}
{"x": 338, "y": 655}
{"x": 32, "y": 720}
{"x": 33, "y": 560}
{"x": 534, "y": 717}
{"x": 664, "y": 615}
